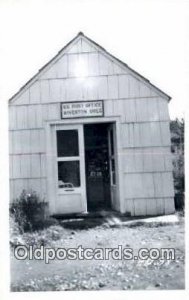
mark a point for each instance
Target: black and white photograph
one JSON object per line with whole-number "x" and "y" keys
{"x": 95, "y": 96}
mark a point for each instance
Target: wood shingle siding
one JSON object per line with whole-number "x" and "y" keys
{"x": 139, "y": 109}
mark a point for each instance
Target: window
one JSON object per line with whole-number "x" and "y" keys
{"x": 112, "y": 157}
{"x": 67, "y": 143}
{"x": 68, "y": 160}
{"x": 68, "y": 174}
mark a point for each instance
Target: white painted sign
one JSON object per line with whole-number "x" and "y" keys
{"x": 84, "y": 109}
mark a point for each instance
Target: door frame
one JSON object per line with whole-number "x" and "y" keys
{"x": 113, "y": 157}
{"x": 51, "y": 191}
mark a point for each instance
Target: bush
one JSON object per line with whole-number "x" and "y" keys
{"x": 177, "y": 147}
{"x": 28, "y": 212}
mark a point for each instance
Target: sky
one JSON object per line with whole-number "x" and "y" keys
{"x": 151, "y": 36}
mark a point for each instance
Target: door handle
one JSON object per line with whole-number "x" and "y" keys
{"x": 69, "y": 190}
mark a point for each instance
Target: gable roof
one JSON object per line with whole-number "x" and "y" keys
{"x": 104, "y": 51}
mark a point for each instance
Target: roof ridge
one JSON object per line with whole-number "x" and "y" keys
{"x": 80, "y": 33}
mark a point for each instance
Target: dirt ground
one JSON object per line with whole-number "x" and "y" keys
{"x": 58, "y": 275}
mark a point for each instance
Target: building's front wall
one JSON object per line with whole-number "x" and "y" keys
{"x": 142, "y": 113}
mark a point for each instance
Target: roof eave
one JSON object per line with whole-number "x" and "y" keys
{"x": 104, "y": 50}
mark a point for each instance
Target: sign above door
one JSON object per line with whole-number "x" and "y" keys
{"x": 84, "y": 109}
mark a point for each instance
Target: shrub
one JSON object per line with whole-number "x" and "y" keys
{"x": 177, "y": 147}
{"x": 28, "y": 212}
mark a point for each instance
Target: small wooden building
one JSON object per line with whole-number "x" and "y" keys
{"x": 89, "y": 133}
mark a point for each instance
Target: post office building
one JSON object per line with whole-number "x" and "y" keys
{"x": 89, "y": 133}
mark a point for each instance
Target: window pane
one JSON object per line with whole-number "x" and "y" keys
{"x": 67, "y": 143}
{"x": 113, "y": 178}
{"x": 113, "y": 164}
{"x": 111, "y": 142}
{"x": 113, "y": 171}
{"x": 68, "y": 174}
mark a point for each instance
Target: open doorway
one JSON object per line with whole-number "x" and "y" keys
{"x": 98, "y": 165}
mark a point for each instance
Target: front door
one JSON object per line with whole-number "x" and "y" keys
{"x": 69, "y": 169}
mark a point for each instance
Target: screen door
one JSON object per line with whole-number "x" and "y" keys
{"x": 70, "y": 169}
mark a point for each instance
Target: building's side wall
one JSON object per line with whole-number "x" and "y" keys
{"x": 148, "y": 181}
{"x": 144, "y": 128}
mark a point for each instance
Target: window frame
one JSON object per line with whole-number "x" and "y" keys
{"x": 67, "y": 159}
